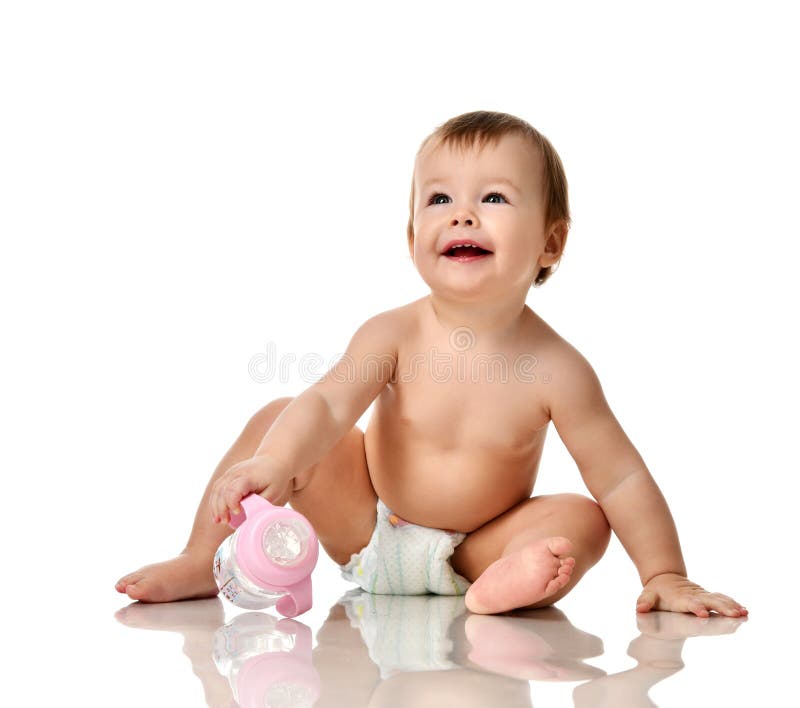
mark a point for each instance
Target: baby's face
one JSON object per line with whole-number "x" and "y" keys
{"x": 492, "y": 197}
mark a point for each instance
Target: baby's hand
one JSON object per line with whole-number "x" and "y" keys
{"x": 258, "y": 474}
{"x": 675, "y": 593}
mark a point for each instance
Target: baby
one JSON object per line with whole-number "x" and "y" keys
{"x": 435, "y": 495}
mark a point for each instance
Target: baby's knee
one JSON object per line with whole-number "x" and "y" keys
{"x": 262, "y": 419}
{"x": 591, "y": 513}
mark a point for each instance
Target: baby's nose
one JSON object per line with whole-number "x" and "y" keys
{"x": 463, "y": 220}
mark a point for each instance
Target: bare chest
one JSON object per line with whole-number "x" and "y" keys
{"x": 476, "y": 400}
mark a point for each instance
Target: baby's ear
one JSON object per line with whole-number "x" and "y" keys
{"x": 555, "y": 243}
{"x": 411, "y": 247}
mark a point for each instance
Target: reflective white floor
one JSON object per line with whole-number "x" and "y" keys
{"x": 377, "y": 650}
{"x": 357, "y": 649}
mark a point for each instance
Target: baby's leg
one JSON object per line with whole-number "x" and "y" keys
{"x": 336, "y": 496}
{"x": 533, "y": 554}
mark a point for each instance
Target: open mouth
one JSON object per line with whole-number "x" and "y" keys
{"x": 466, "y": 253}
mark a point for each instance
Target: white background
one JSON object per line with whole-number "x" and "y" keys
{"x": 184, "y": 184}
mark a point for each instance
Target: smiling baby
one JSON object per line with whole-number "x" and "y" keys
{"x": 435, "y": 495}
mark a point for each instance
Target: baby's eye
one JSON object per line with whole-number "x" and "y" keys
{"x": 433, "y": 199}
{"x": 496, "y": 194}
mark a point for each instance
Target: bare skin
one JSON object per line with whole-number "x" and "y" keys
{"x": 470, "y": 378}
{"x": 392, "y": 449}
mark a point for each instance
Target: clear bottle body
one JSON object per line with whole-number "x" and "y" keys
{"x": 234, "y": 584}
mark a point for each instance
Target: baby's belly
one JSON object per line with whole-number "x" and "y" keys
{"x": 456, "y": 489}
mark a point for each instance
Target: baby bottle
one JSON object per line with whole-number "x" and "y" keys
{"x": 268, "y": 559}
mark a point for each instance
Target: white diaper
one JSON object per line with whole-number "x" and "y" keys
{"x": 405, "y": 559}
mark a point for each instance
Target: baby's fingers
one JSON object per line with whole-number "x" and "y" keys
{"x": 722, "y": 604}
{"x": 218, "y": 502}
{"x": 696, "y": 606}
{"x": 214, "y": 504}
{"x": 647, "y": 601}
{"x": 234, "y": 493}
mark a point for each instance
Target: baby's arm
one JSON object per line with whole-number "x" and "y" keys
{"x": 618, "y": 479}
{"x": 314, "y": 421}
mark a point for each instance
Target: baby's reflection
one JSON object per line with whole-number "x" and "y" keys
{"x": 658, "y": 652}
{"x": 196, "y": 621}
{"x": 392, "y": 650}
{"x": 389, "y": 650}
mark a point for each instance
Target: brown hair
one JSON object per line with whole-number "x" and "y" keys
{"x": 489, "y": 126}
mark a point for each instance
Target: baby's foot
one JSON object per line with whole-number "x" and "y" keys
{"x": 523, "y": 577}
{"x": 182, "y": 578}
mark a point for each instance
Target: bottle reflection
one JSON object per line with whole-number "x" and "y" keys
{"x": 267, "y": 661}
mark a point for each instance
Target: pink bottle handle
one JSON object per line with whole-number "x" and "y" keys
{"x": 250, "y": 506}
{"x": 297, "y": 600}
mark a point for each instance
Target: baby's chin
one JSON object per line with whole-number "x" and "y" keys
{"x": 467, "y": 294}
{"x": 470, "y": 289}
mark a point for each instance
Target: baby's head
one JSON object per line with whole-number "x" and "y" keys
{"x": 536, "y": 163}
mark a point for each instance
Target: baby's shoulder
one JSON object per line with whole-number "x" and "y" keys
{"x": 541, "y": 335}
{"x": 403, "y": 321}
{"x": 383, "y": 332}
{"x": 398, "y": 320}
{"x": 553, "y": 350}
{"x": 572, "y": 381}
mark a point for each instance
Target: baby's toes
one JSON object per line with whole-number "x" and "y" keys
{"x": 566, "y": 567}
{"x": 128, "y": 579}
{"x": 559, "y": 581}
{"x": 145, "y": 588}
{"x": 136, "y": 591}
{"x": 559, "y": 545}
